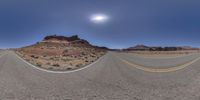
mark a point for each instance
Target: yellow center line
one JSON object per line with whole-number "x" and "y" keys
{"x": 160, "y": 70}
{"x": 157, "y": 57}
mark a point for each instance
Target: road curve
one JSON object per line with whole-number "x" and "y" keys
{"x": 162, "y": 68}
{"x": 109, "y": 79}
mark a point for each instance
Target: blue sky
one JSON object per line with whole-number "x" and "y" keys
{"x": 131, "y": 22}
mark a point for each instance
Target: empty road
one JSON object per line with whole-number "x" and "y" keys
{"x": 116, "y": 76}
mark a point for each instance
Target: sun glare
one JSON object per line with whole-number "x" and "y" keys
{"x": 99, "y": 18}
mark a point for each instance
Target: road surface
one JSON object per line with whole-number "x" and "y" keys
{"x": 113, "y": 77}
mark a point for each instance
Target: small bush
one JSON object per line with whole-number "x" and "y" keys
{"x": 56, "y": 65}
{"x": 92, "y": 56}
{"x": 70, "y": 64}
{"x": 48, "y": 63}
{"x": 32, "y": 56}
{"x": 78, "y": 65}
{"x": 38, "y": 64}
{"x": 69, "y": 68}
{"x": 50, "y": 68}
{"x": 36, "y": 57}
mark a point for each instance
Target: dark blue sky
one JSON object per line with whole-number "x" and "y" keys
{"x": 131, "y": 22}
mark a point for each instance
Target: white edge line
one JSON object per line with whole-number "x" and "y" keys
{"x": 50, "y": 71}
{"x": 2, "y": 55}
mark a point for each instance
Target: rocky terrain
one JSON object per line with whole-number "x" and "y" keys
{"x": 61, "y": 53}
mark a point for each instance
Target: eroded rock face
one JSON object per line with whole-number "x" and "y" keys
{"x": 72, "y": 41}
{"x": 61, "y": 53}
{"x": 61, "y": 38}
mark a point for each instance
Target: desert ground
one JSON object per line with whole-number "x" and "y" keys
{"x": 61, "y": 62}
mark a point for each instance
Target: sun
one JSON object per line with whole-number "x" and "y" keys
{"x": 99, "y": 18}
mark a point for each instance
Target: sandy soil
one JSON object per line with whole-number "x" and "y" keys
{"x": 60, "y": 59}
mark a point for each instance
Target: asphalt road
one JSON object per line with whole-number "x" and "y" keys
{"x": 158, "y": 62}
{"x": 113, "y": 77}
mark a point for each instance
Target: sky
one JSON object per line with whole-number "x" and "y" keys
{"x": 128, "y": 22}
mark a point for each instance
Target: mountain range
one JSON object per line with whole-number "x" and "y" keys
{"x": 159, "y": 48}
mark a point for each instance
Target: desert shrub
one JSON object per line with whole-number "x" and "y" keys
{"x": 92, "y": 56}
{"x": 38, "y": 64}
{"x": 83, "y": 53}
{"x": 48, "y": 63}
{"x": 69, "y": 68}
{"x": 50, "y": 68}
{"x": 65, "y": 55}
{"x": 65, "y": 51}
{"x": 65, "y": 59}
{"x": 56, "y": 65}
{"x": 52, "y": 58}
{"x": 70, "y": 64}
{"x": 36, "y": 57}
{"x": 32, "y": 56}
{"x": 78, "y": 65}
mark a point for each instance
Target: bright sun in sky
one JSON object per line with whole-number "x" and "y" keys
{"x": 99, "y": 18}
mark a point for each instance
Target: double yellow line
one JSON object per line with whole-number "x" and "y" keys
{"x": 160, "y": 70}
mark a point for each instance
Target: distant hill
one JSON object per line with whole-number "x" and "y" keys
{"x": 138, "y": 47}
{"x": 158, "y": 48}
